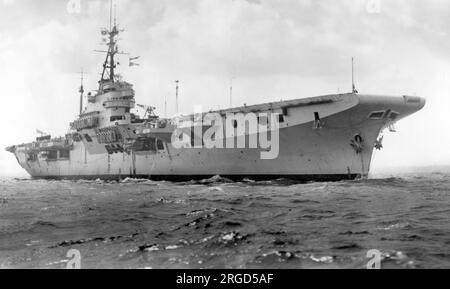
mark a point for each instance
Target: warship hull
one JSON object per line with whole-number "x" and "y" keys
{"x": 310, "y": 149}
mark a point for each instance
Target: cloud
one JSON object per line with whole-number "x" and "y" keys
{"x": 8, "y": 2}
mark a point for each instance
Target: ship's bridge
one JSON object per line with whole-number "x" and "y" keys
{"x": 113, "y": 90}
{"x": 119, "y": 102}
{"x": 114, "y": 101}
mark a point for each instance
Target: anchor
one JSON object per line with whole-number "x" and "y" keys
{"x": 357, "y": 144}
{"x": 379, "y": 143}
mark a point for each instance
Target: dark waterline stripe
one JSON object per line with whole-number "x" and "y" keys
{"x": 184, "y": 178}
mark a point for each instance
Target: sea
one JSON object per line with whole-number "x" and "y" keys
{"x": 220, "y": 224}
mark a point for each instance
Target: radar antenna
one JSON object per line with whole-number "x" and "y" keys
{"x": 109, "y": 65}
{"x": 108, "y": 74}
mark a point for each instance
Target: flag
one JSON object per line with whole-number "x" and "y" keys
{"x": 134, "y": 63}
{"x": 41, "y": 133}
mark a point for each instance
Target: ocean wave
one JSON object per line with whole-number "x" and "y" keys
{"x": 384, "y": 181}
{"x": 92, "y": 240}
{"x": 303, "y": 259}
{"x": 393, "y": 226}
{"x": 214, "y": 180}
{"x": 249, "y": 224}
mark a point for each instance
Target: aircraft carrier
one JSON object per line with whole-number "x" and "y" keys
{"x": 326, "y": 138}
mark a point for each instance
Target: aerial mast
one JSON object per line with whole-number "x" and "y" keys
{"x": 177, "y": 82}
{"x": 112, "y": 45}
{"x": 231, "y": 92}
{"x": 110, "y": 14}
{"x": 354, "y": 90}
{"x": 81, "y": 91}
{"x": 110, "y": 65}
{"x": 165, "y": 106}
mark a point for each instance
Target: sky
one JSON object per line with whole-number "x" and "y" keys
{"x": 272, "y": 50}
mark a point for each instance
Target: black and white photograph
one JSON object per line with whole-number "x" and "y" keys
{"x": 239, "y": 135}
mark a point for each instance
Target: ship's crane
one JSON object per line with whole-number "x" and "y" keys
{"x": 149, "y": 111}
